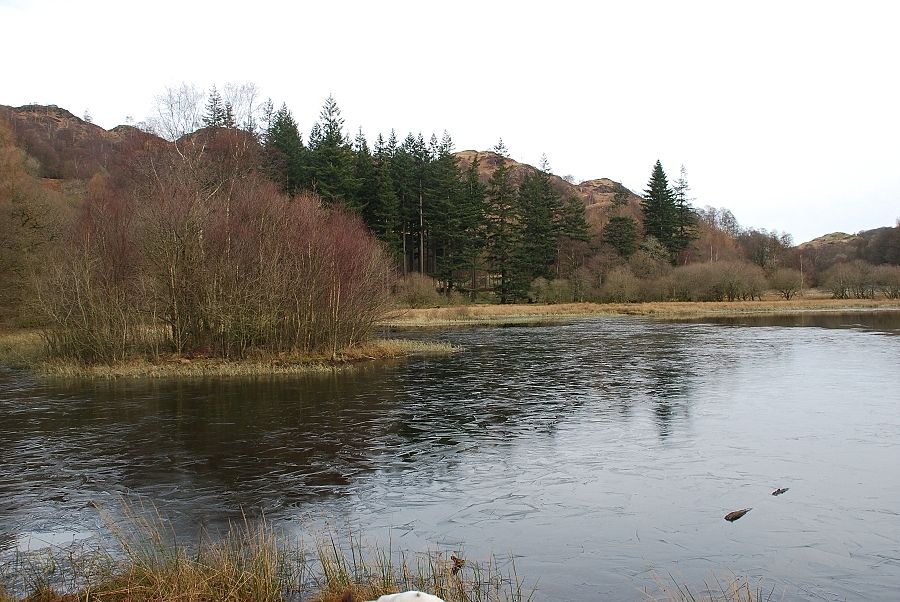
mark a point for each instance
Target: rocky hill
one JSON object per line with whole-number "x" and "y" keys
{"x": 881, "y": 245}
{"x": 68, "y": 147}
{"x": 597, "y": 195}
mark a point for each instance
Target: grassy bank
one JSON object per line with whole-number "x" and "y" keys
{"x": 254, "y": 565}
{"x": 500, "y": 315}
{"x": 251, "y": 565}
{"x": 25, "y": 349}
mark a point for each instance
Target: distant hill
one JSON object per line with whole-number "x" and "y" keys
{"x": 597, "y": 195}
{"x": 68, "y": 147}
{"x": 881, "y": 245}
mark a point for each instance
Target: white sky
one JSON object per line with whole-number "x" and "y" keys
{"x": 787, "y": 113}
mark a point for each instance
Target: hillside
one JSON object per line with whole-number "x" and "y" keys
{"x": 880, "y": 245}
{"x": 68, "y": 147}
{"x": 597, "y": 195}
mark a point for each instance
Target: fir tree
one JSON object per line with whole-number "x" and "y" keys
{"x": 658, "y": 205}
{"x": 215, "y": 110}
{"x": 621, "y": 233}
{"x": 366, "y": 177}
{"x": 541, "y": 210}
{"x": 285, "y": 153}
{"x": 228, "y": 116}
{"x": 445, "y": 192}
{"x": 331, "y": 157}
{"x": 468, "y": 231}
{"x": 685, "y": 217}
{"x": 503, "y": 231}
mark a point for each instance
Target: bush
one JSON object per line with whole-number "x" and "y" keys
{"x": 201, "y": 260}
{"x": 558, "y": 290}
{"x": 620, "y": 286}
{"x": 417, "y": 290}
{"x": 887, "y": 280}
{"x": 786, "y": 281}
{"x": 846, "y": 278}
{"x": 718, "y": 281}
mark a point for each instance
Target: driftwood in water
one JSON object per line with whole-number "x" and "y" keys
{"x": 733, "y": 516}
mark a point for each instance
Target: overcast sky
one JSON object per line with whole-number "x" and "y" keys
{"x": 788, "y": 113}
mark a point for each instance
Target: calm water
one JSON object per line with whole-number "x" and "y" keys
{"x": 602, "y": 454}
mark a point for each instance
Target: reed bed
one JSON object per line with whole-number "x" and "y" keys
{"x": 251, "y": 564}
{"x": 464, "y": 315}
{"x": 25, "y": 349}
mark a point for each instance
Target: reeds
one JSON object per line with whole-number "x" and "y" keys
{"x": 252, "y": 563}
{"x": 544, "y": 313}
{"x": 24, "y": 349}
{"x": 735, "y": 589}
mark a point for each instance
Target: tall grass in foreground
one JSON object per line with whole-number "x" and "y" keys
{"x": 250, "y": 564}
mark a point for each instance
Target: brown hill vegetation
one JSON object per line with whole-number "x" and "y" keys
{"x": 597, "y": 195}
{"x": 68, "y": 147}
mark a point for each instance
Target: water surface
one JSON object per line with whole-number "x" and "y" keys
{"x": 601, "y": 454}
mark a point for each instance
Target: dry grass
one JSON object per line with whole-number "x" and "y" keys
{"x": 735, "y": 589}
{"x": 20, "y": 348}
{"x": 26, "y": 349}
{"x": 540, "y": 313}
{"x": 250, "y": 565}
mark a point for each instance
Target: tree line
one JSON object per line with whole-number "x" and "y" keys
{"x": 434, "y": 214}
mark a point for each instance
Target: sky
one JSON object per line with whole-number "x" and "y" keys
{"x": 787, "y": 112}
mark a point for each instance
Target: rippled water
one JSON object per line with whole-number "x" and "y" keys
{"x": 602, "y": 454}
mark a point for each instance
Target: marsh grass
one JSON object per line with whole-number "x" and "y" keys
{"x": 20, "y": 348}
{"x": 734, "y": 589}
{"x": 499, "y": 315}
{"x": 252, "y": 563}
{"x": 26, "y": 349}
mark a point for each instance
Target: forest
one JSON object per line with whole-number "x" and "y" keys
{"x": 217, "y": 227}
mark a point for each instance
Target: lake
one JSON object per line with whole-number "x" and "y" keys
{"x": 601, "y": 455}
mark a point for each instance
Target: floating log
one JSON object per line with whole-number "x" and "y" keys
{"x": 733, "y": 516}
{"x": 780, "y": 490}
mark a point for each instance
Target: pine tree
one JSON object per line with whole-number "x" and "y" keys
{"x": 215, "y": 110}
{"x": 621, "y": 233}
{"x": 468, "y": 231}
{"x": 658, "y": 205}
{"x": 541, "y": 211}
{"x": 366, "y": 177}
{"x": 228, "y": 117}
{"x": 503, "y": 231}
{"x": 445, "y": 191}
{"x": 331, "y": 157}
{"x": 285, "y": 153}
{"x": 685, "y": 217}
{"x": 403, "y": 176}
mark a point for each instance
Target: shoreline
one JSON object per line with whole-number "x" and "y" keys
{"x": 539, "y": 314}
{"x": 23, "y": 350}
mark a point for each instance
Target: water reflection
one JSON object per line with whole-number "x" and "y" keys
{"x": 599, "y": 451}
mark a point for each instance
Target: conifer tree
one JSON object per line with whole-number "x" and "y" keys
{"x": 658, "y": 205}
{"x": 503, "y": 231}
{"x": 331, "y": 157}
{"x": 468, "y": 230}
{"x": 228, "y": 116}
{"x": 285, "y": 153}
{"x": 621, "y": 233}
{"x": 215, "y": 110}
{"x": 541, "y": 211}
{"x": 383, "y": 215}
{"x": 366, "y": 177}
{"x": 685, "y": 217}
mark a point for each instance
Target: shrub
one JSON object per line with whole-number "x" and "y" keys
{"x": 786, "y": 281}
{"x": 201, "y": 261}
{"x": 417, "y": 290}
{"x": 887, "y": 280}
